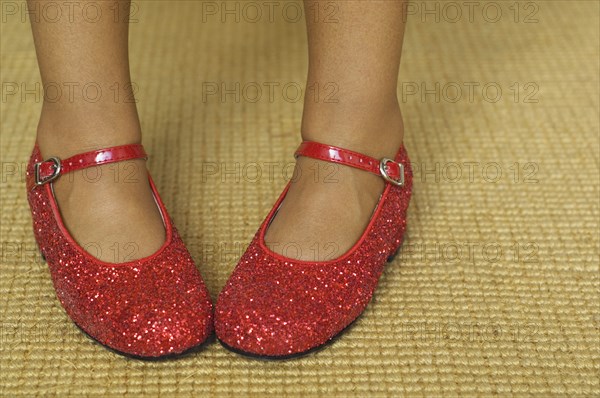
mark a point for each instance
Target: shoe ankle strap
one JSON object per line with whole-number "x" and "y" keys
{"x": 390, "y": 170}
{"x": 50, "y": 169}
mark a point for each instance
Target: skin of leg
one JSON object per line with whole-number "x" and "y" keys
{"x": 88, "y": 104}
{"x": 357, "y": 53}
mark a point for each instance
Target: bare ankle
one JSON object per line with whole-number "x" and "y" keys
{"x": 373, "y": 129}
{"x": 66, "y": 132}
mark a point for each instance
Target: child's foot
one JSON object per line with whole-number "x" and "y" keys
{"x": 110, "y": 209}
{"x": 328, "y": 206}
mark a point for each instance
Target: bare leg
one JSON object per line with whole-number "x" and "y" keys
{"x": 111, "y": 212}
{"x": 360, "y": 55}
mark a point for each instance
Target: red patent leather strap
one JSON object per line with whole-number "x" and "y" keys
{"x": 346, "y": 157}
{"x": 51, "y": 168}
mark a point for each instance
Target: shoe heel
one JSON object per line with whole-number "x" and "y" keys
{"x": 393, "y": 255}
{"x": 41, "y": 254}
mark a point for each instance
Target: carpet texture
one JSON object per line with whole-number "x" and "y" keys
{"x": 496, "y": 291}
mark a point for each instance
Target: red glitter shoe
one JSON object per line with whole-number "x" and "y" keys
{"x": 149, "y": 308}
{"x": 276, "y": 307}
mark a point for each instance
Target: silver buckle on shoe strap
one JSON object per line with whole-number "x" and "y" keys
{"x": 57, "y": 167}
{"x": 382, "y": 169}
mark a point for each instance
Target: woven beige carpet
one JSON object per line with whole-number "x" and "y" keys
{"x": 496, "y": 292}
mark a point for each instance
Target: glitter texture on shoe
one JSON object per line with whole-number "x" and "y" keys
{"x": 277, "y": 307}
{"x": 149, "y": 308}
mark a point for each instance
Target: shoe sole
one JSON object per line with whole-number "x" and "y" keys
{"x": 187, "y": 352}
{"x": 291, "y": 356}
